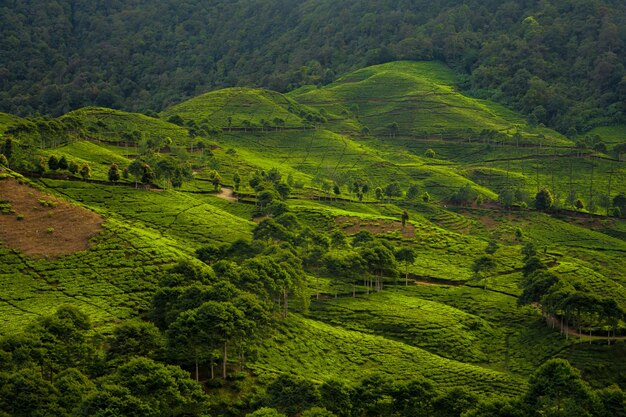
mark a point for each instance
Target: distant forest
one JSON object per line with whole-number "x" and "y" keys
{"x": 560, "y": 62}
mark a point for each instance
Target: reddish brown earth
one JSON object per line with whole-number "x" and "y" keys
{"x": 46, "y": 230}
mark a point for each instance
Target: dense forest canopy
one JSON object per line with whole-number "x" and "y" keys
{"x": 560, "y": 62}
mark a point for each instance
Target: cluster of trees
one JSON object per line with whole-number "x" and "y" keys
{"x": 555, "y": 389}
{"x": 60, "y": 367}
{"x": 466, "y": 195}
{"x": 46, "y": 132}
{"x": 56, "y": 164}
{"x": 360, "y": 188}
{"x": 271, "y": 265}
{"x": 539, "y": 57}
{"x": 565, "y": 302}
{"x": 205, "y": 317}
{"x": 366, "y": 258}
{"x": 271, "y": 191}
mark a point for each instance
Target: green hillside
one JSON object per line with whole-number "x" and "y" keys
{"x": 242, "y": 108}
{"x": 324, "y": 253}
{"x": 420, "y": 97}
{"x": 116, "y": 126}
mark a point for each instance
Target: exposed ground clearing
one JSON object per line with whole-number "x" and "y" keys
{"x": 50, "y": 227}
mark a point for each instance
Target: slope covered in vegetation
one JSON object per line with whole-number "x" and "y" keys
{"x": 447, "y": 263}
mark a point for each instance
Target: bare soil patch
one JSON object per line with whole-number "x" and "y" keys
{"x": 49, "y": 226}
{"x": 353, "y": 225}
{"x": 227, "y": 194}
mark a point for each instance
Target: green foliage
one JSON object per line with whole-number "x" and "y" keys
{"x": 291, "y": 395}
{"x": 465, "y": 195}
{"x": 114, "y": 173}
{"x": 544, "y": 200}
{"x": 85, "y": 171}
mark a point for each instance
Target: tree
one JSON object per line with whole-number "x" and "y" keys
{"x": 430, "y": 153}
{"x": 544, "y": 200}
{"x": 63, "y": 163}
{"x": 273, "y": 175}
{"x": 166, "y": 389}
{"x": 73, "y": 168}
{"x": 338, "y": 239}
{"x": 25, "y": 394}
{"x": 406, "y": 255}
{"x": 337, "y": 397}
{"x": 237, "y": 181}
{"x": 318, "y": 412}
{"x": 7, "y": 148}
{"x": 283, "y": 189}
{"x": 507, "y": 198}
{"x": 148, "y": 174}
{"x": 579, "y": 204}
{"x": 85, "y": 171}
{"x": 556, "y": 388}
{"x": 482, "y": 265}
{"x": 393, "y": 190}
{"x": 454, "y": 403}
{"x": 190, "y": 341}
{"x": 114, "y": 173}
{"x": 619, "y": 201}
{"x": 137, "y": 170}
{"x": 379, "y": 193}
{"x": 336, "y": 190}
{"x": 380, "y": 261}
{"x": 413, "y": 192}
{"x": 73, "y": 387}
{"x": 266, "y": 412}
{"x": 414, "y": 398}
{"x": 492, "y": 247}
{"x": 135, "y": 338}
{"x": 216, "y": 180}
{"x": 53, "y": 163}
{"x": 465, "y": 195}
{"x": 291, "y": 395}
{"x": 393, "y": 129}
{"x": 115, "y": 400}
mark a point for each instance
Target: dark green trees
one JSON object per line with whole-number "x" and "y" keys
{"x": 544, "y": 200}
{"x": 406, "y": 255}
{"x": 114, "y": 173}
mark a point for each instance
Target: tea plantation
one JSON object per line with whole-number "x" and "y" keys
{"x": 383, "y": 226}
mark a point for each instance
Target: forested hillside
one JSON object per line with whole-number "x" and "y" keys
{"x": 560, "y": 63}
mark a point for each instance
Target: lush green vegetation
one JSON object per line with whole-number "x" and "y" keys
{"x": 560, "y": 63}
{"x": 283, "y": 256}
